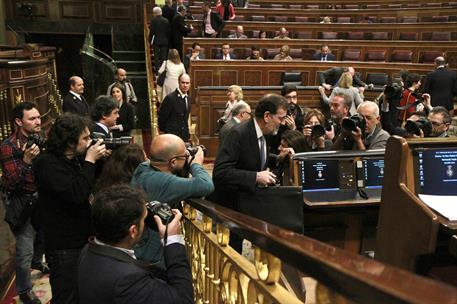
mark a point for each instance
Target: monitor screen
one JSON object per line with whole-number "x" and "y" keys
{"x": 319, "y": 175}
{"x": 437, "y": 171}
{"x": 374, "y": 172}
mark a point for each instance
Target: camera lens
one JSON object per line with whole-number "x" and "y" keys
{"x": 317, "y": 131}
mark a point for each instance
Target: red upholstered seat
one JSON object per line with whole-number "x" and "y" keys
{"x": 429, "y": 56}
{"x": 240, "y": 18}
{"x": 312, "y": 6}
{"x": 276, "y": 5}
{"x": 373, "y": 6}
{"x": 351, "y": 55}
{"x": 377, "y": 79}
{"x": 351, "y": 6}
{"x": 304, "y": 35}
{"x": 329, "y": 35}
{"x": 280, "y": 18}
{"x": 242, "y": 53}
{"x": 408, "y": 36}
{"x": 441, "y": 36}
{"x": 271, "y": 53}
{"x": 409, "y": 19}
{"x": 257, "y": 18}
{"x": 376, "y": 55}
{"x": 388, "y": 19}
{"x": 343, "y": 19}
{"x": 356, "y": 35}
{"x": 296, "y": 54}
{"x": 402, "y": 56}
{"x": 301, "y": 19}
{"x": 215, "y": 51}
{"x": 440, "y": 18}
{"x": 295, "y": 6}
{"x": 379, "y": 36}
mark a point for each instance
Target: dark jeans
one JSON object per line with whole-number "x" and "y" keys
{"x": 64, "y": 278}
{"x": 24, "y": 253}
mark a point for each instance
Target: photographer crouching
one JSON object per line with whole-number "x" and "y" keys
{"x": 109, "y": 271}
{"x": 65, "y": 175}
{"x": 165, "y": 179}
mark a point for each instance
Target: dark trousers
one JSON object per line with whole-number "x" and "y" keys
{"x": 64, "y": 278}
{"x": 160, "y": 55}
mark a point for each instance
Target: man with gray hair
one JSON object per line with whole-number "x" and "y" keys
{"x": 159, "y": 36}
{"x": 241, "y": 111}
{"x": 369, "y": 137}
{"x": 441, "y": 84}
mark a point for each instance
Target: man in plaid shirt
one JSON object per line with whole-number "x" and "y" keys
{"x": 17, "y": 181}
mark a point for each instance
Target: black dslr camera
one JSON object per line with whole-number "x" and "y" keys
{"x": 414, "y": 127}
{"x": 163, "y": 210}
{"x": 35, "y": 139}
{"x": 111, "y": 143}
{"x": 194, "y": 149}
{"x": 351, "y": 123}
{"x": 319, "y": 130}
{"x": 393, "y": 91}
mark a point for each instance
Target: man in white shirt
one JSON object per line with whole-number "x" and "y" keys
{"x": 225, "y": 54}
{"x": 74, "y": 101}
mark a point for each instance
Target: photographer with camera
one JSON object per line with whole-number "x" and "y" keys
{"x": 109, "y": 271}
{"x": 18, "y": 186}
{"x": 165, "y": 179}
{"x": 315, "y": 131}
{"x": 65, "y": 175}
{"x": 362, "y": 131}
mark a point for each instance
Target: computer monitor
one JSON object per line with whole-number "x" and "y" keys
{"x": 374, "y": 172}
{"x": 436, "y": 171}
{"x": 320, "y": 175}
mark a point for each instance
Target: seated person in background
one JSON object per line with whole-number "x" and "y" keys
{"x": 226, "y": 10}
{"x": 283, "y": 54}
{"x": 409, "y": 101}
{"x": 165, "y": 178}
{"x": 255, "y": 54}
{"x": 315, "y": 140}
{"x": 239, "y": 33}
{"x": 234, "y": 94}
{"x": 440, "y": 119}
{"x": 262, "y": 35}
{"x": 109, "y": 271}
{"x": 241, "y": 111}
{"x": 344, "y": 87}
{"x": 119, "y": 167}
{"x": 194, "y": 55}
{"x": 225, "y": 53}
{"x": 329, "y": 78}
{"x": 372, "y": 137}
{"x": 324, "y": 55}
{"x": 283, "y": 34}
{"x": 326, "y": 20}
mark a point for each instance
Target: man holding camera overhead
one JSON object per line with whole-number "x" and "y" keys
{"x": 18, "y": 185}
{"x": 109, "y": 271}
{"x": 65, "y": 175}
{"x": 362, "y": 131}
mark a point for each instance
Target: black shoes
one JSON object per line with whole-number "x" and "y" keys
{"x": 43, "y": 267}
{"x": 29, "y": 297}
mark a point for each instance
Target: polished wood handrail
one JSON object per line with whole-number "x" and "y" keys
{"x": 358, "y": 278}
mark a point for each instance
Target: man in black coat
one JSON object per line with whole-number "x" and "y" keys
{"x": 329, "y": 78}
{"x": 212, "y": 22}
{"x": 441, "y": 84}
{"x": 104, "y": 114}
{"x": 159, "y": 35}
{"x": 108, "y": 269}
{"x": 179, "y": 30}
{"x": 74, "y": 101}
{"x": 324, "y": 54}
{"x": 241, "y": 112}
{"x": 175, "y": 110}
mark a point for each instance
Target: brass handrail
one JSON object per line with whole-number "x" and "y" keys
{"x": 355, "y": 277}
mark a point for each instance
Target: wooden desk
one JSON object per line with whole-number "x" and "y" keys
{"x": 315, "y": 30}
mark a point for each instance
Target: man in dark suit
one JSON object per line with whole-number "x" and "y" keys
{"x": 212, "y": 22}
{"x": 74, "y": 101}
{"x": 175, "y": 110}
{"x": 169, "y": 11}
{"x": 441, "y": 84}
{"x": 104, "y": 113}
{"x": 194, "y": 55}
{"x": 324, "y": 54}
{"x": 241, "y": 112}
{"x": 329, "y": 78}
{"x": 159, "y": 35}
{"x": 225, "y": 54}
{"x": 179, "y": 29}
{"x": 108, "y": 270}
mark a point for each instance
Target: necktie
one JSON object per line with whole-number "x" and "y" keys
{"x": 262, "y": 152}
{"x": 185, "y": 100}
{"x": 324, "y": 58}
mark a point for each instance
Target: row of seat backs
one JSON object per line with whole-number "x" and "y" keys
{"x": 348, "y": 54}
{"x": 379, "y": 80}
{"x": 341, "y": 19}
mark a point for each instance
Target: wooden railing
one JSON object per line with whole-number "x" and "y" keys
{"x": 221, "y": 275}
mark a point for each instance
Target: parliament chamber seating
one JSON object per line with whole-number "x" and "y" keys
{"x": 401, "y": 56}
{"x": 376, "y": 55}
{"x": 379, "y": 80}
{"x": 291, "y": 78}
{"x": 351, "y": 55}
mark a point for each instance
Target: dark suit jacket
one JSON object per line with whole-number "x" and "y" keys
{"x": 441, "y": 84}
{"x": 72, "y": 104}
{"x": 216, "y": 23}
{"x": 236, "y": 165}
{"x": 97, "y": 128}
{"x": 160, "y": 28}
{"x": 318, "y": 56}
{"x": 332, "y": 75}
{"x": 126, "y": 119}
{"x": 178, "y": 31}
{"x": 173, "y": 115}
{"x": 187, "y": 60}
{"x": 107, "y": 275}
{"x": 226, "y": 129}
{"x": 168, "y": 13}
{"x": 220, "y": 56}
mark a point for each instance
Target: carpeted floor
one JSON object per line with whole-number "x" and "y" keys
{"x": 40, "y": 286}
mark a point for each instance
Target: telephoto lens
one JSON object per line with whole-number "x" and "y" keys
{"x": 351, "y": 123}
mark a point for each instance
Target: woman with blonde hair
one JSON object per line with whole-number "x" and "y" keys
{"x": 344, "y": 87}
{"x": 173, "y": 67}
{"x": 283, "y": 54}
{"x": 234, "y": 94}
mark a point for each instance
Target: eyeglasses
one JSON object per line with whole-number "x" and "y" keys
{"x": 291, "y": 96}
{"x": 181, "y": 156}
{"x": 246, "y": 112}
{"x": 436, "y": 124}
